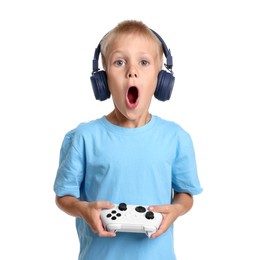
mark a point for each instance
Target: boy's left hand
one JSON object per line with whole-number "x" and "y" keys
{"x": 182, "y": 203}
{"x": 169, "y": 213}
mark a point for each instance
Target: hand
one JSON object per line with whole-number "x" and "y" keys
{"x": 89, "y": 211}
{"x": 91, "y": 214}
{"x": 170, "y": 214}
{"x": 182, "y": 203}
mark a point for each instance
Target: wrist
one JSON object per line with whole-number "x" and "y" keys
{"x": 80, "y": 207}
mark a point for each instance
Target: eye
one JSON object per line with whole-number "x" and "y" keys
{"x": 119, "y": 63}
{"x": 144, "y": 62}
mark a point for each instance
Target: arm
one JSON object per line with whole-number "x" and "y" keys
{"x": 181, "y": 204}
{"x": 89, "y": 211}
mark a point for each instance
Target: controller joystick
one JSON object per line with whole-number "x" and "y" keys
{"x": 122, "y": 206}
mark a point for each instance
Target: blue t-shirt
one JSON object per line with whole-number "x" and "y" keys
{"x": 139, "y": 166}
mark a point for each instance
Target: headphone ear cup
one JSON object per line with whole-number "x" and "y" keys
{"x": 165, "y": 84}
{"x": 100, "y": 86}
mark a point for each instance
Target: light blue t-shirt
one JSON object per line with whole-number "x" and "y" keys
{"x": 139, "y": 166}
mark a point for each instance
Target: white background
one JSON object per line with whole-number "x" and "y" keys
{"x": 46, "y": 52}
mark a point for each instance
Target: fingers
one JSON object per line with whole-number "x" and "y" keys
{"x": 166, "y": 211}
{"x": 99, "y": 229}
{"x": 106, "y": 234}
{"x": 161, "y": 230}
{"x": 92, "y": 217}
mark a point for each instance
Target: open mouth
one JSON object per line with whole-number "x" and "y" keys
{"x": 132, "y": 95}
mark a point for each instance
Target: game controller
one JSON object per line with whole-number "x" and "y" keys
{"x": 131, "y": 218}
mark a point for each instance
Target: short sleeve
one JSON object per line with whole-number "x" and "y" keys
{"x": 71, "y": 166}
{"x": 184, "y": 171}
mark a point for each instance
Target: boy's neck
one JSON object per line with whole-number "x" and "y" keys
{"x": 120, "y": 120}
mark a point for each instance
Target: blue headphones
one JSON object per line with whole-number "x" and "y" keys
{"x": 165, "y": 81}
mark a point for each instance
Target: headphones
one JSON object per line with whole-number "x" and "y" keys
{"x": 165, "y": 81}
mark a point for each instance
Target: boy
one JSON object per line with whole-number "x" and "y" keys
{"x": 129, "y": 155}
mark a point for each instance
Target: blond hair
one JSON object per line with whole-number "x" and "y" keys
{"x": 128, "y": 27}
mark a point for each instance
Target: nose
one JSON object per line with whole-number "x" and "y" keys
{"x": 132, "y": 72}
{"x": 132, "y": 75}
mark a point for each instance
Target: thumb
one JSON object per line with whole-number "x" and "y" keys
{"x": 159, "y": 208}
{"x": 102, "y": 204}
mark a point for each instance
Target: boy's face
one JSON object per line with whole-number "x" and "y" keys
{"x": 133, "y": 63}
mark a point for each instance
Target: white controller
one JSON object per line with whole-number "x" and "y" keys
{"x": 131, "y": 218}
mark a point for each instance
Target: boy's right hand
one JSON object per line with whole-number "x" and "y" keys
{"x": 91, "y": 214}
{"x": 89, "y": 211}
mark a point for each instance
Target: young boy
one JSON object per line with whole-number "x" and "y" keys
{"x": 128, "y": 155}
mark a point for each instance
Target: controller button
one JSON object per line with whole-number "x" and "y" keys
{"x": 150, "y": 215}
{"x": 109, "y": 215}
{"x": 140, "y": 209}
{"x": 118, "y": 215}
{"x": 122, "y": 206}
{"x": 113, "y": 218}
{"x": 114, "y": 212}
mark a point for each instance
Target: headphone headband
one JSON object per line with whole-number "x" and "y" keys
{"x": 96, "y": 57}
{"x": 167, "y": 52}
